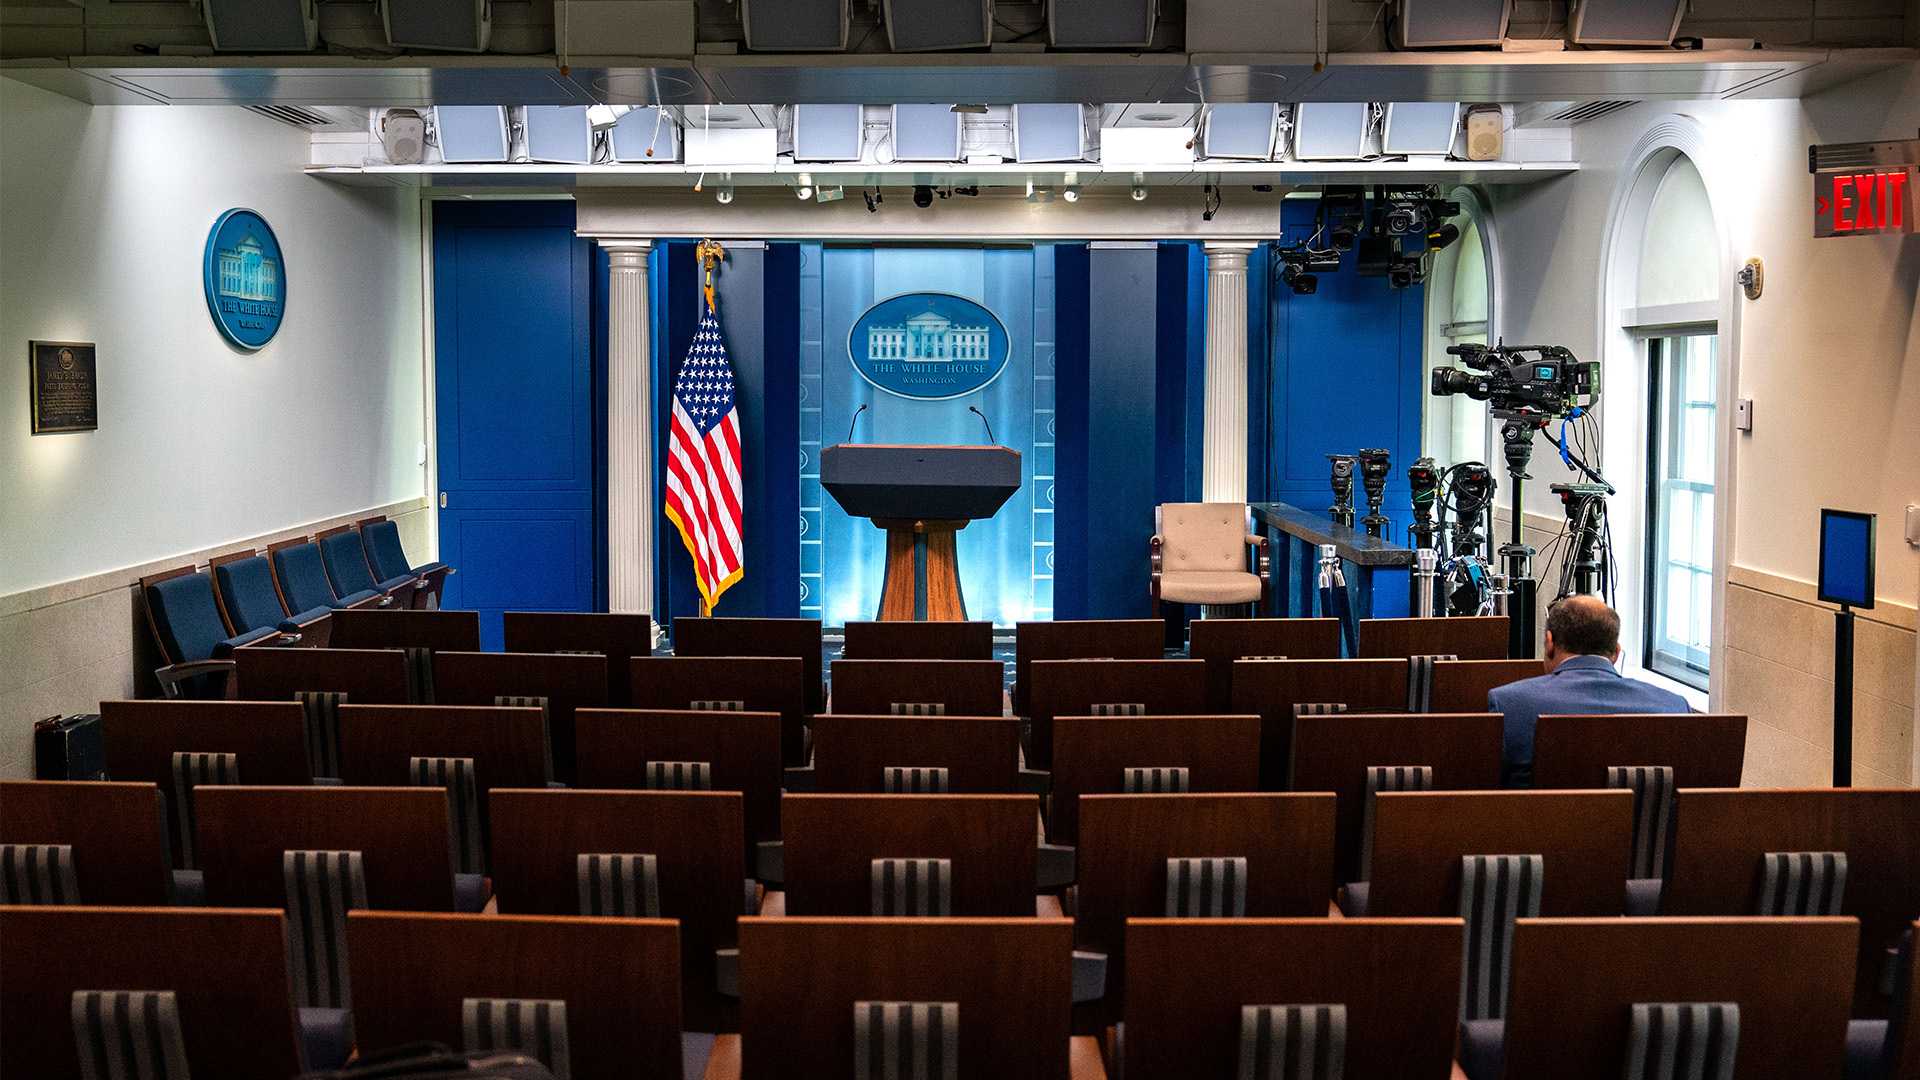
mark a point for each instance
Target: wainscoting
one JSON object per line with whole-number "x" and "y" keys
{"x": 65, "y": 648}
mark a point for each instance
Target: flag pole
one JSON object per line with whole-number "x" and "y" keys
{"x": 710, "y": 254}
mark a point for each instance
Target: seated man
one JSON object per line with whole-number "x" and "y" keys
{"x": 1583, "y": 644}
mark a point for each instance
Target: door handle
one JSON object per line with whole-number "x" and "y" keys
{"x": 443, "y": 500}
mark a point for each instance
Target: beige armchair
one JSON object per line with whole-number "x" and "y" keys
{"x": 1207, "y": 553}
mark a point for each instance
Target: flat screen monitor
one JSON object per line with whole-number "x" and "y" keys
{"x": 1846, "y": 558}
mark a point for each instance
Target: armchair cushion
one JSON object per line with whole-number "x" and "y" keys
{"x": 392, "y": 583}
{"x": 303, "y": 577}
{"x": 185, "y": 615}
{"x": 226, "y": 646}
{"x": 388, "y": 555}
{"x": 346, "y": 562}
{"x": 247, "y": 587}
{"x": 1204, "y": 537}
{"x": 360, "y": 597}
{"x": 1209, "y": 587}
{"x": 292, "y": 625}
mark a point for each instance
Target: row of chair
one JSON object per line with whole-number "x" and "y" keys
{"x": 1595, "y": 999}
{"x": 286, "y": 595}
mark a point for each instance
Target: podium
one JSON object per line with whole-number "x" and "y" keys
{"x": 921, "y": 496}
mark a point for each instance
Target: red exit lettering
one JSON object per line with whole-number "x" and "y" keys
{"x": 1869, "y": 201}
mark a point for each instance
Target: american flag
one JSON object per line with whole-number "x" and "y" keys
{"x": 703, "y": 463}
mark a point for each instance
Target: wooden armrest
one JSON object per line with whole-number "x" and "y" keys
{"x": 1048, "y": 907}
{"x": 1083, "y": 1058}
{"x": 724, "y": 1062}
{"x": 171, "y": 676}
{"x": 1256, "y": 541}
{"x": 1333, "y": 910}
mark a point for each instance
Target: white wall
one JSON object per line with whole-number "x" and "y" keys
{"x": 103, "y": 216}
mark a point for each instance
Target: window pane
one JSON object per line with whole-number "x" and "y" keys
{"x": 1680, "y": 542}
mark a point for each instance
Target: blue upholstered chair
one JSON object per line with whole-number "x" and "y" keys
{"x": 389, "y": 559}
{"x": 193, "y": 640}
{"x": 301, "y": 574}
{"x": 346, "y": 560}
{"x": 243, "y": 584}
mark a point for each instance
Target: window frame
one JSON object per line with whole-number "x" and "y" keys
{"x": 1685, "y": 663}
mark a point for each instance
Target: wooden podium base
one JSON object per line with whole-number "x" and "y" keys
{"x": 923, "y": 572}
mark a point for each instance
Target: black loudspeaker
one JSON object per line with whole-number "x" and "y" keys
{"x": 263, "y": 26}
{"x": 795, "y": 25}
{"x": 939, "y": 25}
{"x": 445, "y": 25}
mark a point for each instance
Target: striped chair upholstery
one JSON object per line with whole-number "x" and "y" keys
{"x": 906, "y": 1040}
{"x": 1319, "y": 708}
{"x": 1119, "y": 708}
{"x": 679, "y": 776}
{"x": 1420, "y": 680}
{"x": 915, "y": 780}
{"x": 322, "y": 886}
{"x": 323, "y": 729}
{"x": 123, "y": 1034}
{"x": 718, "y": 706}
{"x": 1212, "y": 888}
{"x": 536, "y": 1028}
{"x": 917, "y": 708}
{"x": 1683, "y": 1041}
{"x": 1386, "y": 778}
{"x": 1494, "y": 891}
{"x": 456, "y": 775}
{"x": 38, "y": 874}
{"x": 622, "y": 884}
{"x": 190, "y": 770}
{"x": 420, "y": 675}
{"x": 1652, "y": 787}
{"x": 1293, "y": 1042}
{"x": 912, "y": 886}
{"x": 1164, "y": 780}
{"x": 1262, "y": 658}
{"x": 1802, "y": 883}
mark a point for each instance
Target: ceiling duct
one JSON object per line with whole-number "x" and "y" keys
{"x": 795, "y": 25}
{"x": 441, "y": 25}
{"x": 1588, "y": 110}
{"x": 262, "y": 26}
{"x": 292, "y": 114}
{"x": 939, "y": 25}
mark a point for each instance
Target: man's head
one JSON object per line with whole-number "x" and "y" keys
{"x": 1582, "y": 626}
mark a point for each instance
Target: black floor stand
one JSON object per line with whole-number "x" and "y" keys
{"x": 1843, "y": 697}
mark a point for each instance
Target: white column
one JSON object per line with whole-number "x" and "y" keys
{"x": 630, "y": 495}
{"x": 1223, "y": 469}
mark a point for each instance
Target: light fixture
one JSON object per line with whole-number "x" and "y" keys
{"x": 471, "y": 133}
{"x": 723, "y": 194}
{"x": 827, "y": 133}
{"x": 926, "y": 132}
{"x": 1242, "y": 131}
{"x": 874, "y": 199}
{"x": 1450, "y": 24}
{"x": 604, "y": 117}
{"x": 1049, "y": 132}
{"x": 646, "y": 134}
{"x": 1330, "y": 130}
{"x": 805, "y": 190}
{"x": 1415, "y": 128}
{"x": 1139, "y": 187}
{"x": 922, "y": 196}
{"x": 1626, "y": 22}
{"x": 559, "y": 133}
{"x": 1071, "y": 194}
{"x": 826, "y": 193}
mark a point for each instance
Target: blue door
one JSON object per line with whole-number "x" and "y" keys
{"x": 513, "y": 358}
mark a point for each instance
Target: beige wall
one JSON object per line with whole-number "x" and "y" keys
{"x": 66, "y": 648}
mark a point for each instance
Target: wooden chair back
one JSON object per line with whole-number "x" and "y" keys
{"x": 831, "y": 841}
{"x": 1126, "y": 840}
{"x": 1575, "y": 982}
{"x": 508, "y": 746}
{"x": 1081, "y": 639}
{"x": 406, "y": 628}
{"x": 1584, "y": 837}
{"x": 620, "y": 979}
{"x": 980, "y": 753}
{"x": 742, "y": 747}
{"x": 366, "y": 676}
{"x": 695, "y": 836}
{"x": 1704, "y": 750}
{"x": 1187, "y": 980}
{"x": 402, "y": 833}
{"x": 227, "y": 968}
{"x": 1720, "y": 836}
{"x": 775, "y": 684}
{"x": 118, "y": 832}
{"x": 758, "y": 637}
{"x": 1470, "y": 637}
{"x": 567, "y": 681}
{"x": 1220, "y": 642}
{"x": 918, "y": 641}
{"x": 1461, "y": 686}
{"x": 618, "y": 636}
{"x": 1333, "y": 753}
{"x": 1087, "y": 687}
{"x": 799, "y": 979}
{"x": 1271, "y": 688}
{"x": 958, "y": 687}
{"x": 1091, "y": 755}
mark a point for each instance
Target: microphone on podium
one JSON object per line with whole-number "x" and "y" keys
{"x": 983, "y": 420}
{"x": 855, "y": 420}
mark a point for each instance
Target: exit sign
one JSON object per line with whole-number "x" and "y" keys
{"x": 1864, "y": 189}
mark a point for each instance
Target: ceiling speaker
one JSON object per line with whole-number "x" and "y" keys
{"x": 646, "y": 134}
{"x": 1049, "y": 133}
{"x": 1451, "y": 23}
{"x": 1486, "y": 134}
{"x": 1420, "y": 128}
{"x": 827, "y": 133}
{"x": 1101, "y": 24}
{"x": 403, "y": 135}
{"x": 471, "y": 133}
{"x": 795, "y": 25}
{"x": 926, "y": 133}
{"x": 444, "y": 25}
{"x": 1330, "y": 130}
{"x": 262, "y": 25}
{"x": 1242, "y": 131}
{"x": 939, "y": 25}
{"x": 559, "y": 133}
{"x": 1626, "y": 22}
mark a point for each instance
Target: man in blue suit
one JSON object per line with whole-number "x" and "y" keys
{"x": 1583, "y": 644}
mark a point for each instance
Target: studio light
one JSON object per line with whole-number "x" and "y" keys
{"x": 827, "y": 133}
{"x": 559, "y": 133}
{"x": 874, "y": 199}
{"x": 1071, "y": 194}
{"x": 1049, "y": 133}
{"x": 805, "y": 190}
{"x": 922, "y": 196}
{"x": 827, "y": 193}
{"x": 1139, "y": 187}
{"x": 471, "y": 133}
{"x": 1330, "y": 130}
{"x": 646, "y": 134}
{"x": 1240, "y": 131}
{"x": 723, "y": 194}
{"x": 926, "y": 132}
{"x": 1420, "y": 128}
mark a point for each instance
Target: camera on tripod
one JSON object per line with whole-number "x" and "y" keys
{"x": 1529, "y": 382}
